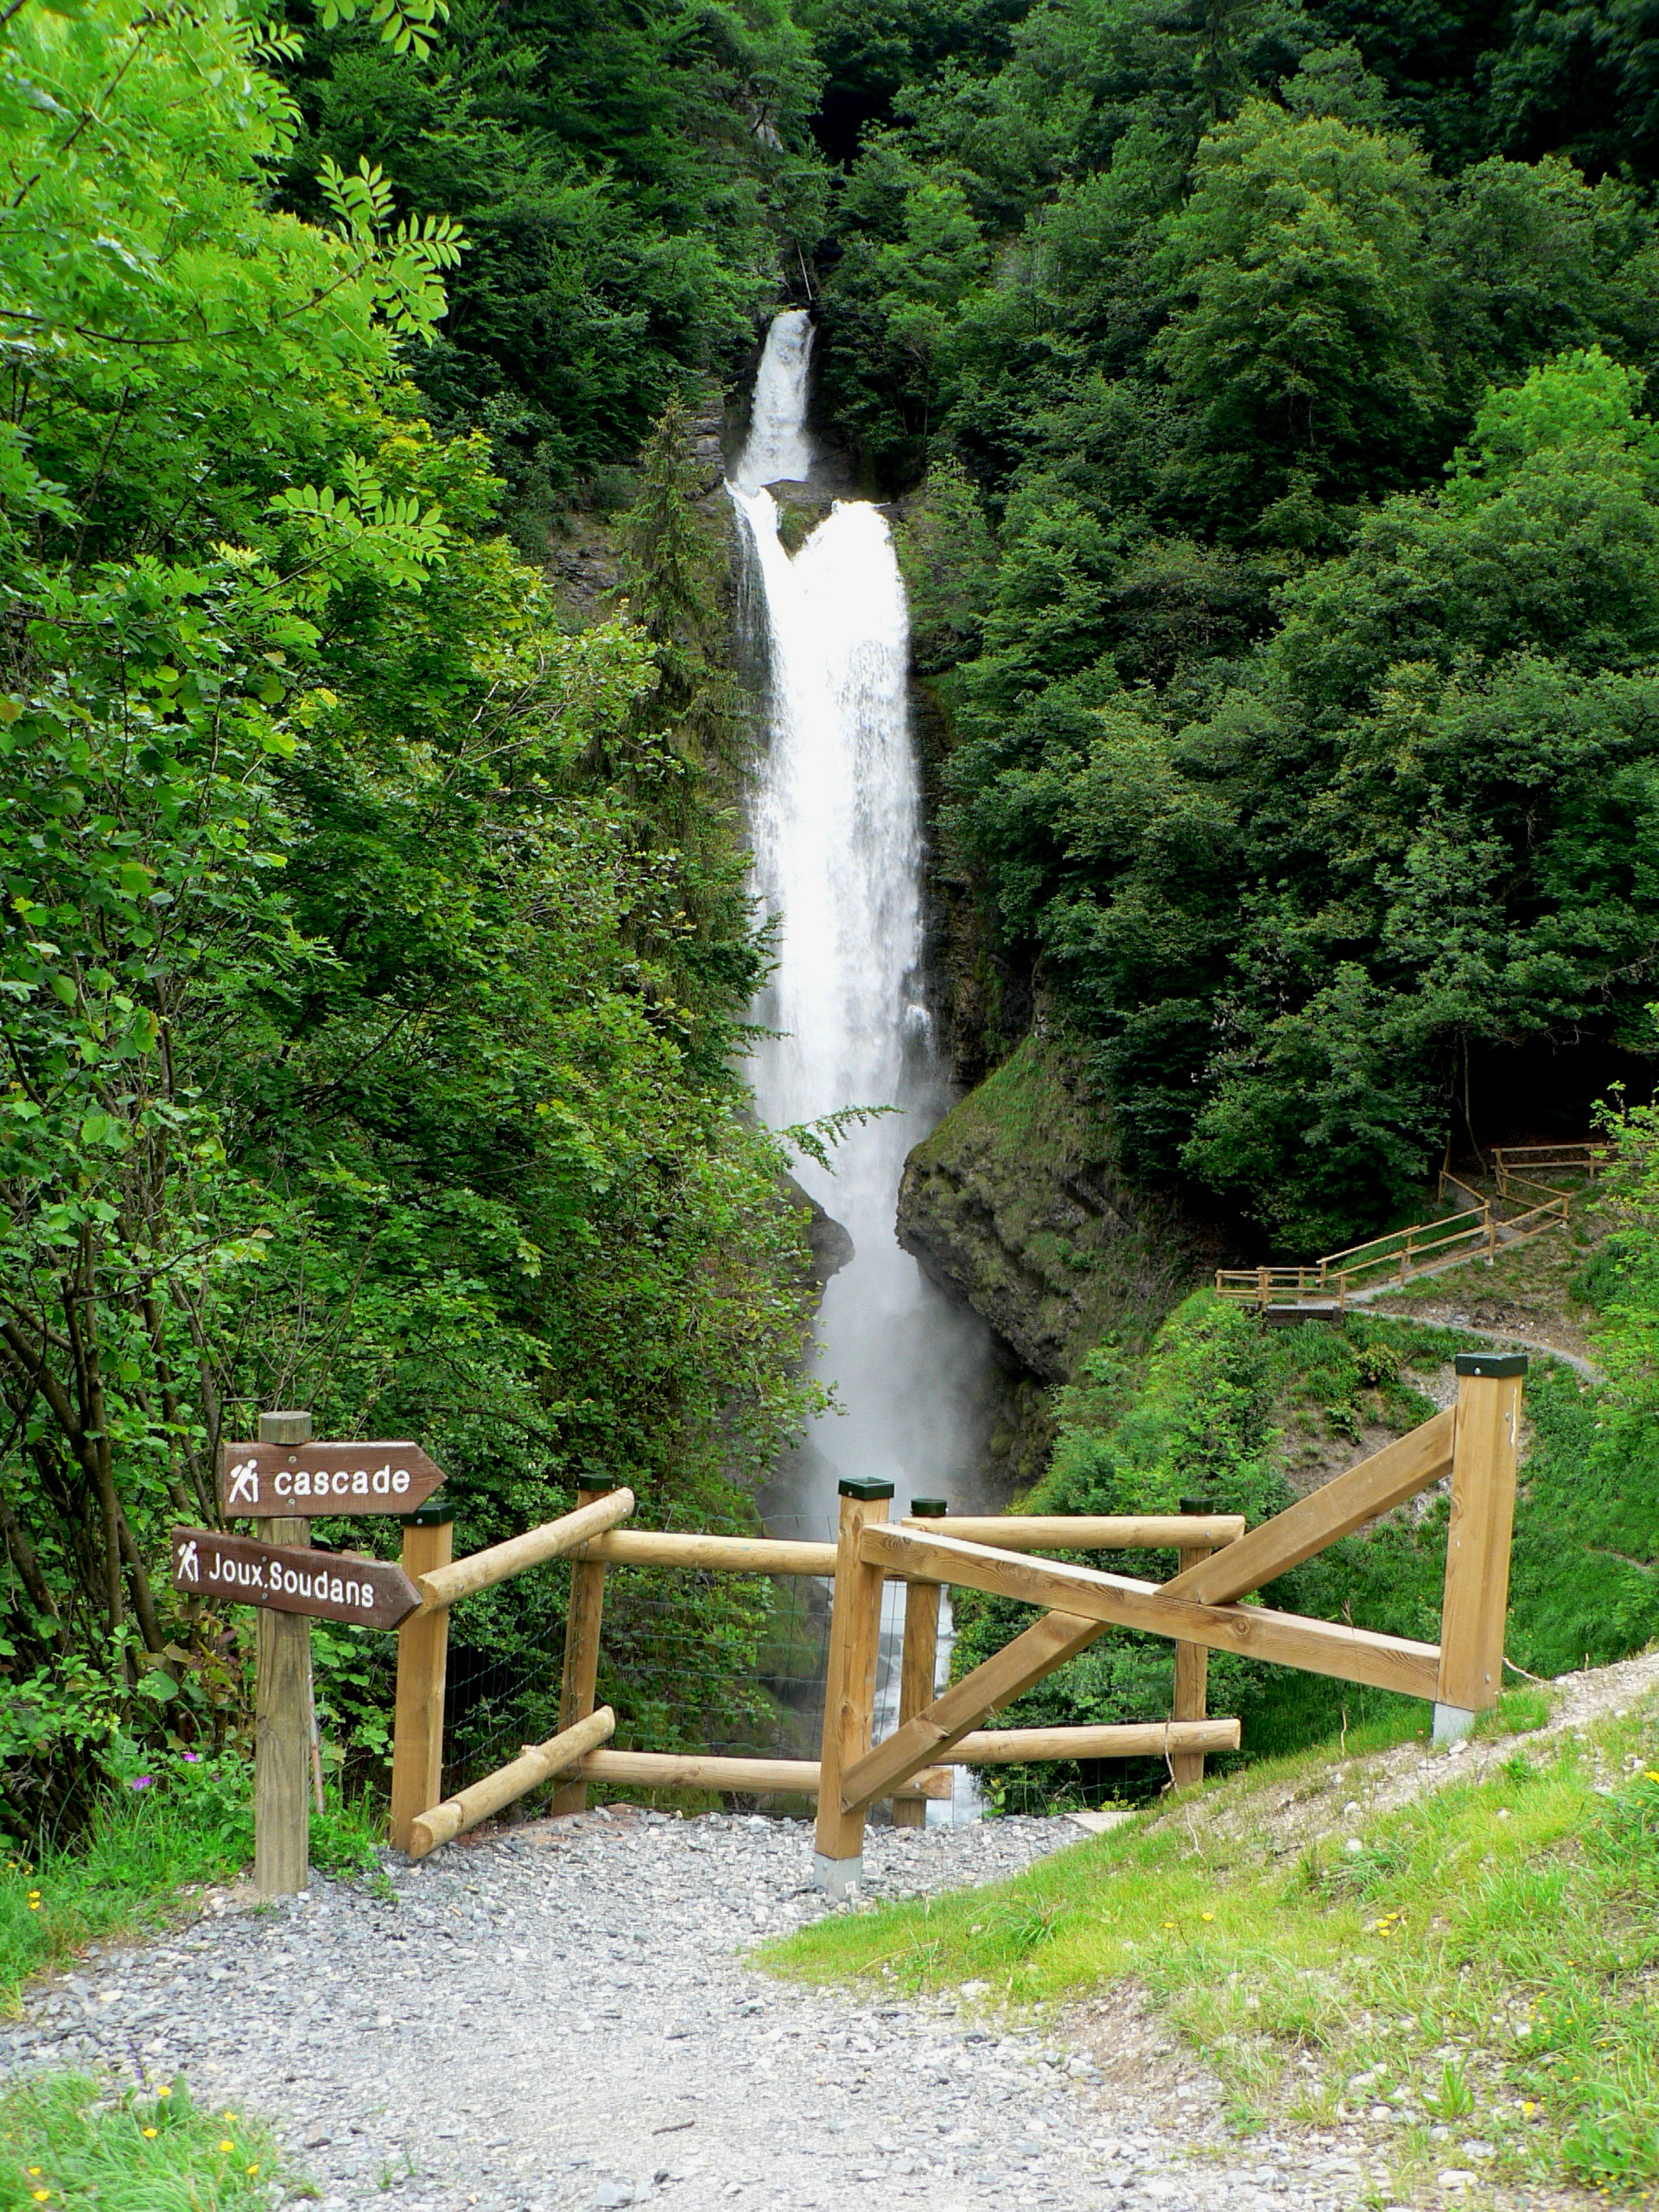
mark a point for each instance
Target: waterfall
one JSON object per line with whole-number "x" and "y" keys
{"x": 777, "y": 447}
{"x": 835, "y": 828}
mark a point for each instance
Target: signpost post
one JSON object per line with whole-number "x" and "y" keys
{"x": 281, "y": 1713}
{"x": 282, "y": 1480}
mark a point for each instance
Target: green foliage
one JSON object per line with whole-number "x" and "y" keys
{"x": 68, "y": 2140}
{"x": 1301, "y": 337}
{"x": 629, "y": 180}
{"x": 1304, "y": 390}
{"x": 374, "y": 954}
{"x": 1414, "y": 823}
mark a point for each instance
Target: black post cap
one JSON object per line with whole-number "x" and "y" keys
{"x": 929, "y": 1508}
{"x": 432, "y": 1515}
{"x": 1199, "y": 1505}
{"x": 866, "y": 1487}
{"x": 1491, "y": 1363}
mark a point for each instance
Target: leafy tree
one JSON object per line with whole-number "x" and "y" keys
{"x": 1301, "y": 335}
{"x": 369, "y": 1026}
{"x": 628, "y": 179}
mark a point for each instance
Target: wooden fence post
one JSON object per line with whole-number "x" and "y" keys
{"x": 283, "y": 1721}
{"x": 422, "y": 1661}
{"x": 580, "y": 1678}
{"x": 1477, "y": 1600}
{"x": 849, "y": 1687}
{"x": 1191, "y": 1670}
{"x": 919, "y": 1665}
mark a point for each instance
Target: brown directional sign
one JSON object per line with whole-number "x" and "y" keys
{"x": 291, "y": 1578}
{"x": 267, "y": 1479}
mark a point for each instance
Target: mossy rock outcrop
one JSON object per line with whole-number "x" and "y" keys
{"x": 1017, "y": 1203}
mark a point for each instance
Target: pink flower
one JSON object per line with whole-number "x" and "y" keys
{"x": 194, "y": 1758}
{"x": 142, "y": 1783}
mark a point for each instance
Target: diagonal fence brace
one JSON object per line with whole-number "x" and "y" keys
{"x": 1351, "y": 1655}
{"x": 1376, "y": 1485}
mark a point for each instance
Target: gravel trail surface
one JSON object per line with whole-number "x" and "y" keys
{"x": 561, "y": 2018}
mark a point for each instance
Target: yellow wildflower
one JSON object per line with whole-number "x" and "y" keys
{"x": 150, "y": 2133}
{"x": 227, "y": 2144}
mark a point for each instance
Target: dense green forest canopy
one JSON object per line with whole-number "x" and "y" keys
{"x": 1285, "y": 562}
{"x": 1277, "y": 376}
{"x": 1269, "y": 389}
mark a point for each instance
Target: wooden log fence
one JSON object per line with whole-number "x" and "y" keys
{"x": 1477, "y": 1231}
{"x": 1220, "y": 1564}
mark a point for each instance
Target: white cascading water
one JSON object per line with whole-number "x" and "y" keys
{"x": 835, "y": 827}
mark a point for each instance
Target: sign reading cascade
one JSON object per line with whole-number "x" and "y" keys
{"x": 266, "y": 1480}
{"x": 292, "y": 1579}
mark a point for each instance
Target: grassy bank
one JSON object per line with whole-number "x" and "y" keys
{"x": 70, "y": 2142}
{"x": 1476, "y": 1962}
{"x": 157, "y": 1838}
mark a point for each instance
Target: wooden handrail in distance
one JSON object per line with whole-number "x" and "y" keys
{"x": 553, "y": 1540}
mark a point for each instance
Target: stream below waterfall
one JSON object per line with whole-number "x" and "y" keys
{"x": 836, "y": 833}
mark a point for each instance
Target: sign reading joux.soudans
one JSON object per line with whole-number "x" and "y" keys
{"x": 268, "y": 1480}
{"x": 291, "y": 1578}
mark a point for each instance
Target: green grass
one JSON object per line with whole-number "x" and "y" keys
{"x": 189, "y": 1825}
{"x": 1482, "y": 1961}
{"x": 66, "y": 2141}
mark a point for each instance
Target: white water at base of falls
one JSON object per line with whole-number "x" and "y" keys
{"x": 835, "y": 827}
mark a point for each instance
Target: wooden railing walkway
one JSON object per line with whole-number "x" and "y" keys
{"x": 1401, "y": 1255}
{"x": 1203, "y": 1606}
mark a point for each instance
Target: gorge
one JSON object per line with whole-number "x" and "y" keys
{"x": 835, "y": 818}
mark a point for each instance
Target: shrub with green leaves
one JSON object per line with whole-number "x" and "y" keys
{"x": 375, "y": 949}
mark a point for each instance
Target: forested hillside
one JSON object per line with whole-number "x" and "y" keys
{"x": 1269, "y": 390}
{"x": 1287, "y": 558}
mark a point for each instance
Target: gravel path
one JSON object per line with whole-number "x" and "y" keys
{"x": 562, "y": 2019}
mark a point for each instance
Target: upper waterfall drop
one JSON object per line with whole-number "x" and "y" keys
{"x": 836, "y": 833}
{"x": 777, "y": 448}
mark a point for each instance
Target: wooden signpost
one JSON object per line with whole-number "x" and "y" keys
{"x": 267, "y": 1479}
{"x": 284, "y": 1480}
{"x": 292, "y": 1579}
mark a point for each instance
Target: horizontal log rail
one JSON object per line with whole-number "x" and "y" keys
{"x": 535, "y": 1764}
{"x": 1085, "y": 1532}
{"x": 1388, "y": 1246}
{"x": 1130, "y": 1739}
{"x": 1590, "y": 1156}
{"x": 700, "y": 1770}
{"x": 716, "y": 1554}
{"x": 446, "y": 1585}
{"x": 1350, "y": 1655}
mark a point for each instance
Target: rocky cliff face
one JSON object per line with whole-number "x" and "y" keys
{"x": 1016, "y": 1203}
